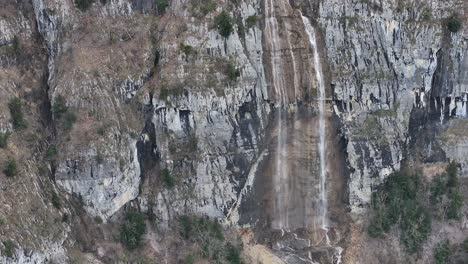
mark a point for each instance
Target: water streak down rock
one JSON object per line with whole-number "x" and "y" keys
{"x": 323, "y": 204}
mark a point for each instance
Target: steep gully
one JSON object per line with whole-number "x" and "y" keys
{"x": 284, "y": 194}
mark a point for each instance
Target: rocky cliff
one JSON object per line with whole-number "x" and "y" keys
{"x": 278, "y": 118}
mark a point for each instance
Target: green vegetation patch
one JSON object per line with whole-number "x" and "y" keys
{"x": 465, "y": 245}
{"x": 13, "y": 50}
{"x": 455, "y": 131}
{"x": 392, "y": 112}
{"x": 84, "y": 5}
{"x": 196, "y": 228}
{"x": 56, "y": 200}
{"x": 59, "y": 108}
{"x": 228, "y": 67}
{"x": 171, "y": 91}
{"x": 442, "y": 252}
{"x": 161, "y": 6}
{"x": 4, "y": 139}
{"x": 16, "y": 112}
{"x": 8, "y": 248}
{"x": 187, "y": 50}
{"x": 400, "y": 202}
{"x": 132, "y": 230}
{"x": 10, "y": 168}
{"x": 51, "y": 152}
{"x": 426, "y": 14}
{"x": 16, "y": 46}
{"x": 403, "y": 200}
{"x": 63, "y": 113}
{"x": 454, "y": 23}
{"x": 201, "y": 8}
{"x": 370, "y": 129}
{"x": 98, "y": 220}
{"x": 224, "y": 24}
{"x": 167, "y": 178}
{"x": 208, "y": 235}
{"x": 233, "y": 254}
{"x": 251, "y": 21}
{"x": 445, "y": 193}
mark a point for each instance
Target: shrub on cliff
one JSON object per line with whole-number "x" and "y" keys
{"x": 51, "y": 152}
{"x": 15, "y": 46}
{"x": 224, "y": 24}
{"x": 161, "y": 6}
{"x": 442, "y": 252}
{"x": 454, "y": 23}
{"x": 201, "y": 8}
{"x": 132, "y": 230}
{"x": 59, "y": 108}
{"x": 16, "y": 112}
{"x": 83, "y": 5}
{"x": 8, "y": 248}
{"x": 56, "y": 200}
{"x": 69, "y": 120}
{"x": 4, "y": 139}
{"x": 63, "y": 113}
{"x": 197, "y": 228}
{"x": 10, "y": 168}
{"x": 188, "y": 50}
{"x": 251, "y": 21}
{"x": 232, "y": 71}
{"x": 465, "y": 245}
{"x": 168, "y": 179}
{"x": 207, "y": 236}
{"x": 233, "y": 254}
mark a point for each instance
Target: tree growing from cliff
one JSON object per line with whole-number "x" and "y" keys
{"x": 454, "y": 23}
{"x": 224, "y": 24}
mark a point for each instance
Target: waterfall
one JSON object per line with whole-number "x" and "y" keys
{"x": 323, "y": 203}
{"x": 280, "y": 176}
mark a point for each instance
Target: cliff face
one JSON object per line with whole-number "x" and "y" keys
{"x": 133, "y": 106}
{"x": 28, "y": 219}
{"x": 395, "y": 68}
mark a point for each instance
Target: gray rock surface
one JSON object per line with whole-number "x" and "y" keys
{"x": 165, "y": 115}
{"x": 385, "y": 60}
